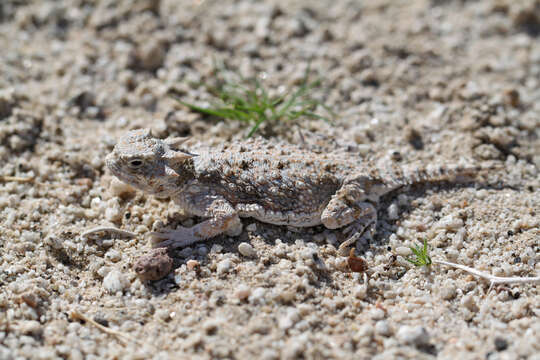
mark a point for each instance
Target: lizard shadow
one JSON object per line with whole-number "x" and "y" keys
{"x": 386, "y": 225}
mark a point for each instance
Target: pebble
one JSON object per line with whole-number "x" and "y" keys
{"x": 449, "y": 290}
{"x": 113, "y": 255}
{"x": 469, "y": 303}
{"x": 251, "y": 227}
{"x": 403, "y": 251}
{"x": 257, "y": 296}
{"x": 413, "y": 335}
{"x": 202, "y": 251}
{"x": 377, "y": 314}
{"x": 243, "y": 292}
{"x": 30, "y": 327}
{"x": 119, "y": 188}
{"x": 247, "y": 250}
{"x": 155, "y": 265}
{"x": 383, "y": 328}
{"x": 115, "y": 281}
{"x": 393, "y": 211}
{"x": 192, "y": 264}
{"x": 223, "y": 267}
{"x": 450, "y": 222}
{"x": 341, "y": 264}
{"x": 112, "y": 212}
{"x": 500, "y": 344}
{"x": 289, "y": 320}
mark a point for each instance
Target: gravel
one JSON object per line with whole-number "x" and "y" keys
{"x": 422, "y": 81}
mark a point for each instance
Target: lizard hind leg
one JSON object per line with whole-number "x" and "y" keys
{"x": 357, "y": 217}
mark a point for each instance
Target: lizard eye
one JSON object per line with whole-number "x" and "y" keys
{"x": 135, "y": 163}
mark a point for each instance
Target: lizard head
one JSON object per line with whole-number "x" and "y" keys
{"x": 149, "y": 164}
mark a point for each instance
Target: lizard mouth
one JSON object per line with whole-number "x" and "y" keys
{"x": 113, "y": 167}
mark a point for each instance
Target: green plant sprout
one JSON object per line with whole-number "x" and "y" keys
{"x": 421, "y": 256}
{"x": 252, "y": 104}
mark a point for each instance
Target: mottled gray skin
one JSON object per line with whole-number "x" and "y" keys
{"x": 274, "y": 183}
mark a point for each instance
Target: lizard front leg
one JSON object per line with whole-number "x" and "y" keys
{"x": 223, "y": 218}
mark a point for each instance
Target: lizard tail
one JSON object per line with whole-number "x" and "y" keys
{"x": 410, "y": 174}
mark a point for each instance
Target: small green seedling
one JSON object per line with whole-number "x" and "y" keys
{"x": 421, "y": 256}
{"x": 252, "y": 104}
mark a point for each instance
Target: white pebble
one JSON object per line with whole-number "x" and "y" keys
{"x": 448, "y": 291}
{"x": 113, "y": 213}
{"x": 224, "y": 266}
{"x": 360, "y": 292}
{"x": 413, "y": 335}
{"x": 469, "y": 303}
{"x": 113, "y": 255}
{"x": 291, "y": 318}
{"x": 377, "y": 314}
{"x": 242, "y": 292}
{"x": 450, "y": 222}
{"x": 247, "y": 250}
{"x": 118, "y": 188}
{"x": 393, "y": 211}
{"x": 383, "y": 328}
{"x": 403, "y": 251}
{"x": 30, "y": 236}
{"x": 115, "y": 281}
{"x": 257, "y": 296}
{"x": 251, "y": 227}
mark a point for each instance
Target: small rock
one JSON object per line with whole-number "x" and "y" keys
{"x": 413, "y": 335}
{"x": 113, "y": 255}
{"x": 112, "y": 212}
{"x": 403, "y": 251}
{"x": 120, "y": 189}
{"x": 150, "y": 55}
{"x": 450, "y": 222}
{"x": 393, "y": 211}
{"x": 251, "y": 227}
{"x": 448, "y": 291}
{"x": 341, "y": 264}
{"x": 224, "y": 267}
{"x": 383, "y": 328}
{"x": 247, "y": 250}
{"x": 291, "y": 318}
{"x": 192, "y": 264}
{"x": 469, "y": 303}
{"x": 501, "y": 344}
{"x": 154, "y": 266}
{"x": 377, "y": 314}
{"x": 360, "y": 292}
{"x": 257, "y": 296}
{"x": 30, "y": 327}
{"x": 202, "y": 251}
{"x": 242, "y": 293}
{"x": 115, "y": 281}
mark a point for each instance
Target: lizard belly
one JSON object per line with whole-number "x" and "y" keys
{"x": 279, "y": 217}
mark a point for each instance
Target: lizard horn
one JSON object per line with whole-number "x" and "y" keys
{"x": 176, "y": 156}
{"x": 176, "y": 141}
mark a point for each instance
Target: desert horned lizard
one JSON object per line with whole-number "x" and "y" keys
{"x": 277, "y": 184}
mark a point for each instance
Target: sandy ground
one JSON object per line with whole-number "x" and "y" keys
{"x": 411, "y": 81}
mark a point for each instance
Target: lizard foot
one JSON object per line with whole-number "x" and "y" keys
{"x": 178, "y": 238}
{"x": 356, "y": 231}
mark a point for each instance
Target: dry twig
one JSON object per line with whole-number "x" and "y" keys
{"x": 77, "y": 315}
{"x": 16, "y": 179}
{"x": 121, "y": 232}
{"x": 493, "y": 280}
